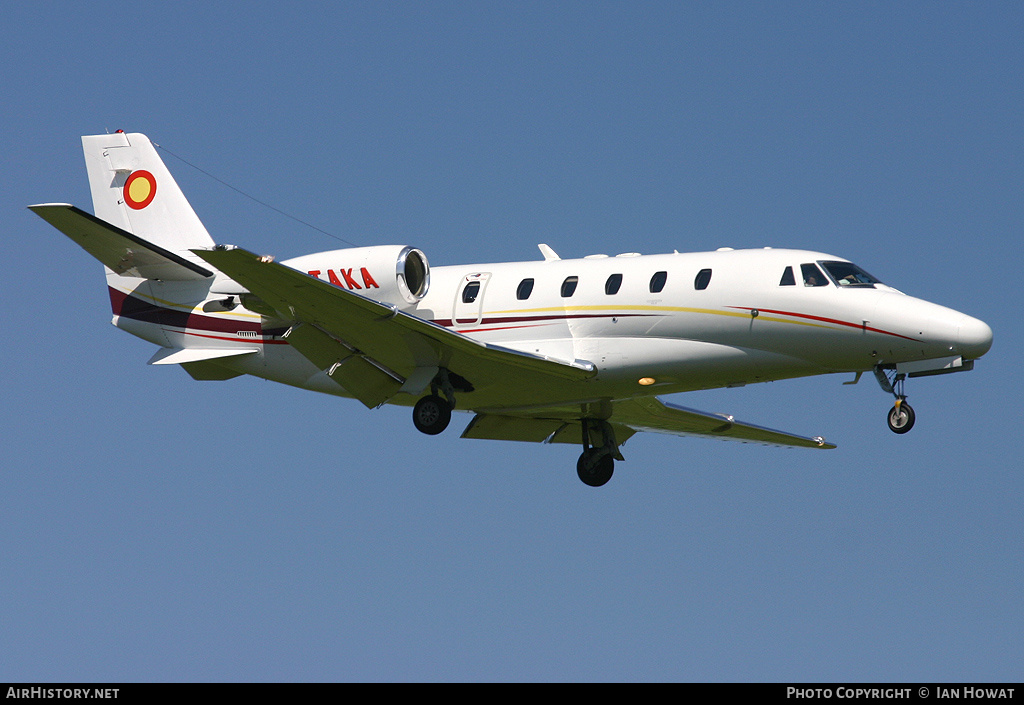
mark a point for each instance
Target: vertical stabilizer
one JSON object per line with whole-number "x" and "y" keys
{"x": 132, "y": 189}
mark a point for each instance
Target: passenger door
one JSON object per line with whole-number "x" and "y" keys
{"x": 469, "y": 300}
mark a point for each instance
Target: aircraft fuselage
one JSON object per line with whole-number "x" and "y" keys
{"x": 689, "y": 321}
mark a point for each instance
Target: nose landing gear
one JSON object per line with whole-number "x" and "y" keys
{"x": 901, "y": 416}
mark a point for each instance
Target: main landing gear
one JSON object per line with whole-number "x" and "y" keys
{"x": 901, "y": 416}
{"x": 433, "y": 413}
{"x": 597, "y": 463}
{"x": 595, "y": 467}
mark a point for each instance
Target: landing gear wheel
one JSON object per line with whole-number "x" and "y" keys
{"x": 431, "y": 415}
{"x": 901, "y": 418}
{"x": 595, "y": 467}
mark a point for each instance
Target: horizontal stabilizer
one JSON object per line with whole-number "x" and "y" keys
{"x": 118, "y": 249}
{"x": 178, "y": 356}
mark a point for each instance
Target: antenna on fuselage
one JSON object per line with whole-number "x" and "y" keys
{"x": 549, "y": 254}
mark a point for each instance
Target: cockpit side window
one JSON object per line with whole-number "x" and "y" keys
{"x": 787, "y": 278}
{"x": 849, "y": 274}
{"x": 812, "y": 275}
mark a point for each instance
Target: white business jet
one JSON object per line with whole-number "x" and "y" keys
{"x": 554, "y": 351}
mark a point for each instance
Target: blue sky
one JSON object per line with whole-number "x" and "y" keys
{"x": 157, "y": 528}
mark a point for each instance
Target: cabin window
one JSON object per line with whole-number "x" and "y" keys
{"x": 787, "y": 278}
{"x": 525, "y": 289}
{"x": 812, "y": 275}
{"x": 849, "y": 274}
{"x": 702, "y": 279}
{"x": 611, "y": 286}
{"x": 658, "y": 281}
{"x": 569, "y": 286}
{"x": 470, "y": 293}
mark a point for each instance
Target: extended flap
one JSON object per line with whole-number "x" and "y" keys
{"x": 359, "y": 375}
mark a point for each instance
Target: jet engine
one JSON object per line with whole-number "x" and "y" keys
{"x": 394, "y": 274}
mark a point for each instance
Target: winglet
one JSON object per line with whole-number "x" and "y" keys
{"x": 549, "y": 254}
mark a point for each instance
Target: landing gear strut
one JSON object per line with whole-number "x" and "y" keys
{"x": 901, "y": 416}
{"x": 597, "y": 463}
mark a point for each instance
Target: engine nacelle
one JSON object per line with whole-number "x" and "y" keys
{"x": 394, "y": 274}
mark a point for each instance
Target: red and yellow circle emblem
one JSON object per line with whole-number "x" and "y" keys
{"x": 139, "y": 189}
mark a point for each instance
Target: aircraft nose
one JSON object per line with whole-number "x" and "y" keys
{"x": 975, "y": 338}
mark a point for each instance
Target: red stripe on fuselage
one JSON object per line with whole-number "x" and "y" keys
{"x": 447, "y": 322}
{"x": 823, "y": 319}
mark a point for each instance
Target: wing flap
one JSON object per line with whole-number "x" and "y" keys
{"x": 502, "y": 427}
{"x": 497, "y": 427}
{"x": 358, "y": 376}
{"x": 118, "y": 249}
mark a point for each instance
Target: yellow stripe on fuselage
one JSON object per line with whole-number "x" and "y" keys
{"x": 665, "y": 309}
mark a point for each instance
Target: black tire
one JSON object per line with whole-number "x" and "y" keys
{"x": 431, "y": 415}
{"x": 901, "y": 419}
{"x": 594, "y": 467}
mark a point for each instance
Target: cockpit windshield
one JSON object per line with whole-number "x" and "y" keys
{"x": 849, "y": 274}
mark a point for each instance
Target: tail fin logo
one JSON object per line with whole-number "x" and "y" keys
{"x": 139, "y": 190}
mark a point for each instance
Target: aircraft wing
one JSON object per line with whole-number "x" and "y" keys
{"x": 374, "y": 350}
{"x": 652, "y": 414}
{"x": 626, "y": 417}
